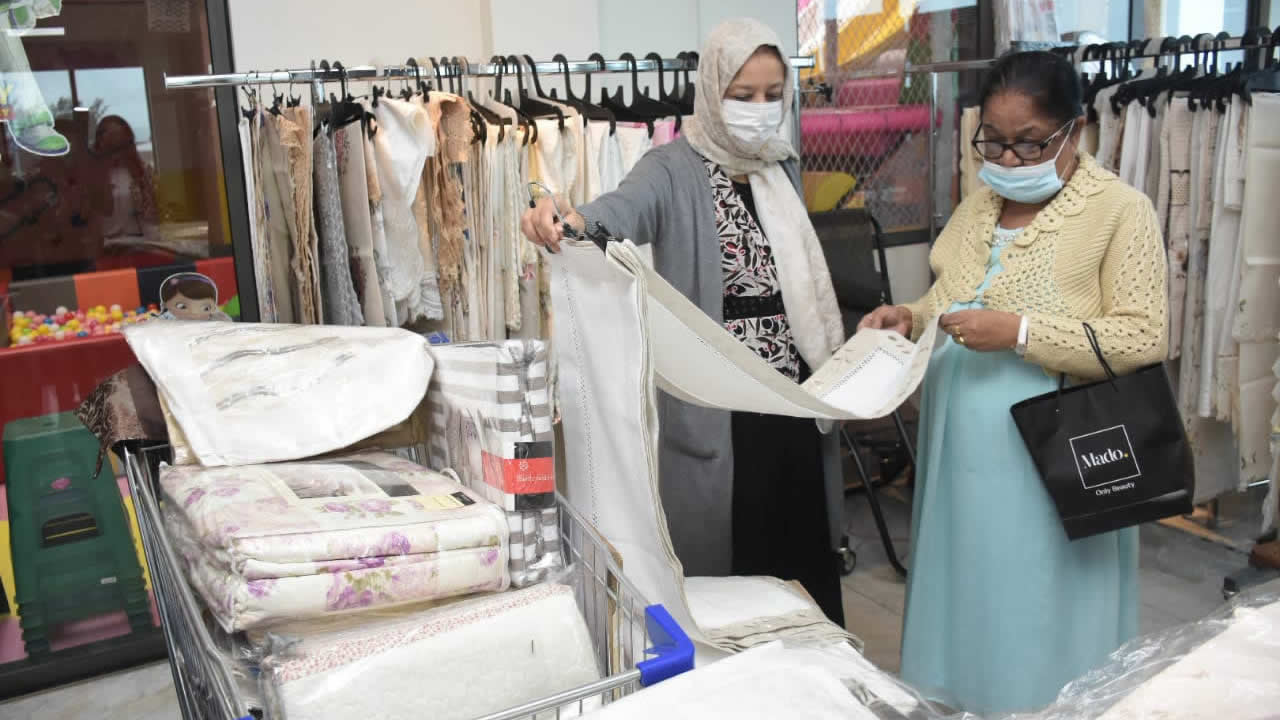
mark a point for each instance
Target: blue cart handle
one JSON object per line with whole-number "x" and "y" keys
{"x": 672, "y": 649}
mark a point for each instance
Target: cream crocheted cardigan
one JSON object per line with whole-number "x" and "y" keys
{"x": 1093, "y": 254}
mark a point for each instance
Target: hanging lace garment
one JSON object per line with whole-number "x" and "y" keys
{"x": 1224, "y": 234}
{"x": 341, "y": 304}
{"x": 507, "y": 185}
{"x": 1204, "y": 134}
{"x": 251, "y": 158}
{"x": 444, "y": 198}
{"x": 634, "y": 141}
{"x": 353, "y": 187}
{"x": 280, "y": 220}
{"x": 1255, "y": 312}
{"x": 557, "y": 155}
{"x": 381, "y": 255}
{"x": 1230, "y": 269}
{"x": 300, "y": 168}
{"x": 476, "y": 243}
{"x": 604, "y": 166}
{"x": 402, "y": 144}
{"x": 1175, "y": 189}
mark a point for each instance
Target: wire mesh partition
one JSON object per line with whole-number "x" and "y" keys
{"x": 866, "y": 120}
{"x": 624, "y": 629}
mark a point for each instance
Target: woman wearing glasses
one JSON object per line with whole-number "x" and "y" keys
{"x": 1002, "y": 610}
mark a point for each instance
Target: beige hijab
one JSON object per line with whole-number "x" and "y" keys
{"x": 807, "y": 293}
{"x": 728, "y": 48}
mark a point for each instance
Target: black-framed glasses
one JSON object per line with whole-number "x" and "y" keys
{"x": 1024, "y": 150}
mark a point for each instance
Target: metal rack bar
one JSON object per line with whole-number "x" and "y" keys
{"x": 1231, "y": 44}
{"x": 368, "y": 72}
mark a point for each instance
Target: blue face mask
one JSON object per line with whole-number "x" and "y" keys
{"x": 1028, "y": 184}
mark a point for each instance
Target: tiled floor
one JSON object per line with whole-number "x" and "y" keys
{"x": 1181, "y": 582}
{"x": 144, "y": 693}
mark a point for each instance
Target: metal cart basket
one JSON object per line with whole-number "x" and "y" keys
{"x": 636, "y": 644}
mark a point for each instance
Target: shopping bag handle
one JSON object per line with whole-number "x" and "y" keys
{"x": 1097, "y": 350}
{"x": 672, "y": 649}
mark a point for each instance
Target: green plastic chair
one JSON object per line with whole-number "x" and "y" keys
{"x": 73, "y": 554}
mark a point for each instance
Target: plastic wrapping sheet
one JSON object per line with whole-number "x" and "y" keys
{"x": 490, "y": 419}
{"x": 768, "y": 681}
{"x": 246, "y": 393}
{"x": 1224, "y": 666}
{"x": 458, "y": 660}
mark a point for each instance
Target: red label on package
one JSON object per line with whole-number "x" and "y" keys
{"x": 520, "y": 476}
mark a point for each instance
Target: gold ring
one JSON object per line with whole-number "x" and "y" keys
{"x": 959, "y": 338}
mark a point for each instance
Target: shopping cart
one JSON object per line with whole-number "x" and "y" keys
{"x": 636, "y": 644}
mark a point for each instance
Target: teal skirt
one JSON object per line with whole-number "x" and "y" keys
{"x": 1002, "y": 610}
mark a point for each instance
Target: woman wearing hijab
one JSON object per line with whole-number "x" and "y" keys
{"x": 1002, "y": 609}
{"x": 721, "y": 208}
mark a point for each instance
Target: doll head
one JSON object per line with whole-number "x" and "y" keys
{"x": 190, "y": 296}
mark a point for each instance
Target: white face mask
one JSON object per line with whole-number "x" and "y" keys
{"x": 752, "y": 123}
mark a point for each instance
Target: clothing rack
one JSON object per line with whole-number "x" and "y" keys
{"x": 447, "y": 69}
{"x": 1076, "y": 56}
{"x": 456, "y": 70}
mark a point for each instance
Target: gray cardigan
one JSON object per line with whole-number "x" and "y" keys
{"x": 666, "y": 201}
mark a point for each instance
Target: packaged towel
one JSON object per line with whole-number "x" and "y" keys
{"x": 491, "y": 423}
{"x": 491, "y": 420}
{"x": 244, "y": 393}
{"x": 453, "y": 662}
{"x": 271, "y": 543}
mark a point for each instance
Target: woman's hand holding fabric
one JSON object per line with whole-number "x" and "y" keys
{"x": 542, "y": 224}
{"x": 983, "y": 330}
{"x": 888, "y": 317}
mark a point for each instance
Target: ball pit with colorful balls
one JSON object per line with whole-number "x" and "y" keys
{"x": 31, "y": 327}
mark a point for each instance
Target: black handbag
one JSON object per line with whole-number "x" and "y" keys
{"x": 1112, "y": 453}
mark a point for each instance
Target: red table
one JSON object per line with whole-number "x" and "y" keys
{"x": 57, "y": 376}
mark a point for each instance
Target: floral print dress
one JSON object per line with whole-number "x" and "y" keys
{"x": 749, "y": 272}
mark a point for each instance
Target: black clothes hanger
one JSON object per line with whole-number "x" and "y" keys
{"x": 642, "y": 109}
{"x": 292, "y": 101}
{"x": 1266, "y": 79}
{"x": 690, "y": 89}
{"x": 599, "y": 60}
{"x": 583, "y": 105}
{"x": 526, "y": 121}
{"x": 405, "y": 92}
{"x": 1147, "y": 92}
{"x": 344, "y": 109}
{"x": 1206, "y": 58}
{"x": 532, "y": 104}
{"x": 455, "y": 75}
{"x": 251, "y": 96}
{"x": 1179, "y": 77}
{"x": 484, "y": 115}
{"x": 663, "y": 96}
{"x": 1101, "y": 54}
{"x": 435, "y": 68}
{"x": 276, "y": 98}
